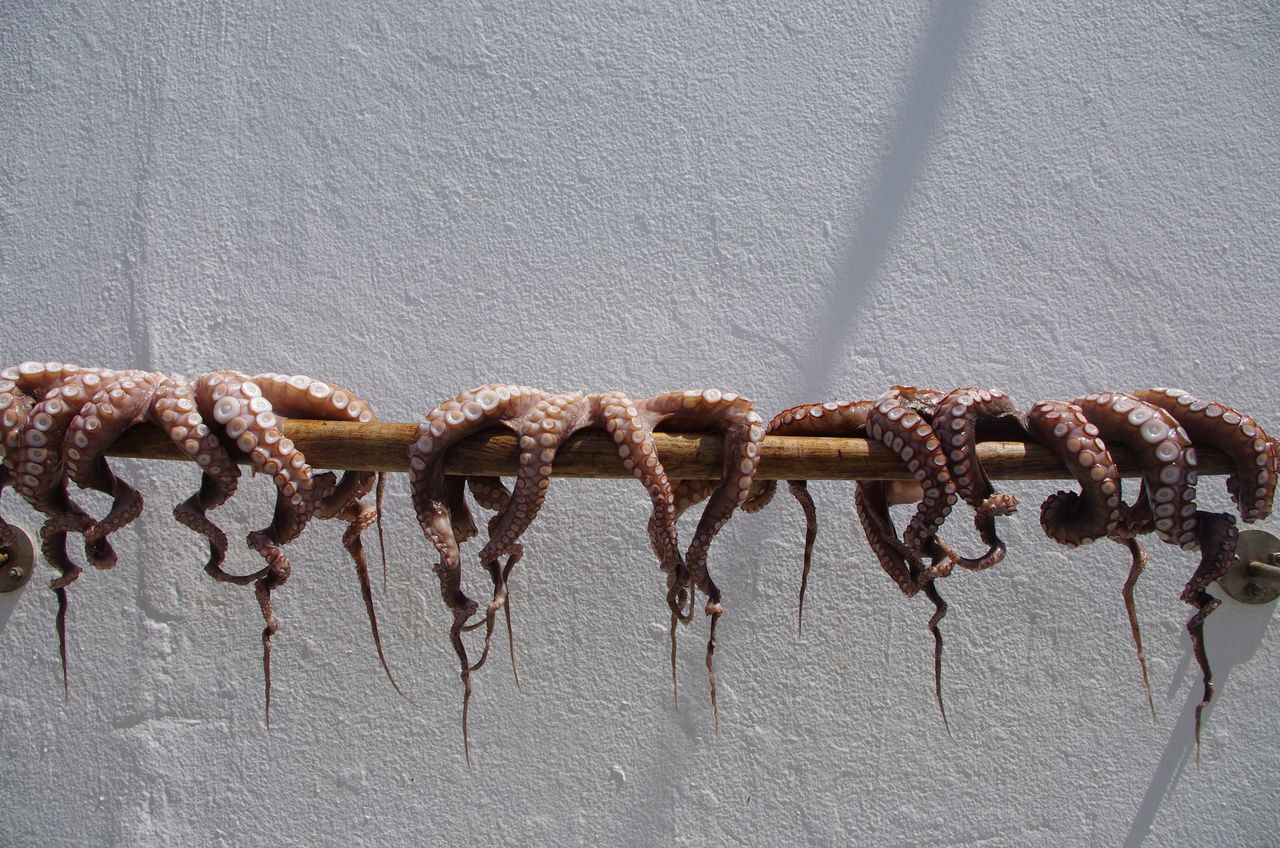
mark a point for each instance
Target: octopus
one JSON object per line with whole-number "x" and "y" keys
{"x": 250, "y": 412}
{"x": 41, "y": 403}
{"x": 1161, "y": 427}
{"x": 58, "y": 422}
{"x": 891, "y": 421}
{"x": 542, "y": 422}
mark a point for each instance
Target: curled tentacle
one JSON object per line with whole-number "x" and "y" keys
{"x": 53, "y": 395}
{"x": 15, "y": 409}
{"x": 38, "y": 456}
{"x": 906, "y": 432}
{"x": 956, "y": 422}
{"x": 1255, "y": 454}
{"x": 1071, "y": 518}
{"x": 118, "y": 404}
{"x": 246, "y": 417}
{"x": 1252, "y": 485}
{"x": 686, "y": 494}
{"x": 174, "y": 409}
{"x": 552, "y": 420}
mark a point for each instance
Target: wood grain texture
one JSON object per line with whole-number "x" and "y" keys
{"x": 693, "y": 456}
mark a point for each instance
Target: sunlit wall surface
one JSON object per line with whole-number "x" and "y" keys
{"x": 786, "y": 200}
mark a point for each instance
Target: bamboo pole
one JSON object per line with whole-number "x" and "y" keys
{"x": 342, "y": 445}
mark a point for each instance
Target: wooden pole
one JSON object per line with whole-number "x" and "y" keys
{"x": 342, "y": 445}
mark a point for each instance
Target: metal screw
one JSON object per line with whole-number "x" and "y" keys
{"x": 15, "y": 574}
{"x": 1275, "y": 558}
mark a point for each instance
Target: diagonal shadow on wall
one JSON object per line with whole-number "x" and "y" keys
{"x": 877, "y": 222}
{"x": 1232, "y": 634}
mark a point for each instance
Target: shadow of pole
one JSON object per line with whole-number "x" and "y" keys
{"x": 878, "y": 220}
{"x": 1233, "y": 633}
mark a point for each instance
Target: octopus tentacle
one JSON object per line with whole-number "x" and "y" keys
{"x": 174, "y": 410}
{"x": 1071, "y": 518}
{"x": 238, "y": 406}
{"x": 743, "y": 430}
{"x": 685, "y": 494}
{"x": 894, "y": 421}
{"x": 1255, "y": 454}
{"x": 847, "y": 418}
{"x": 916, "y": 444}
{"x": 39, "y": 458}
{"x": 15, "y": 409}
{"x": 120, "y": 403}
{"x": 1216, "y": 536}
{"x": 1252, "y": 485}
{"x": 492, "y": 494}
{"x": 872, "y": 499}
{"x": 552, "y": 420}
{"x": 39, "y": 401}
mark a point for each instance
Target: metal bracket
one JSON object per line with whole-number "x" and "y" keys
{"x": 17, "y": 562}
{"x": 1254, "y": 578}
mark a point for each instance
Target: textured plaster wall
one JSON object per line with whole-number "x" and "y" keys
{"x": 789, "y": 200}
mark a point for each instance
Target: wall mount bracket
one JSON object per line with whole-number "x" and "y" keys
{"x": 1254, "y": 577}
{"x": 17, "y": 562}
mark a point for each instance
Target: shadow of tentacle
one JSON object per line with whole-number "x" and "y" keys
{"x": 1236, "y": 632}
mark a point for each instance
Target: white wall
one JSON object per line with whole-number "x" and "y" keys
{"x": 792, "y": 202}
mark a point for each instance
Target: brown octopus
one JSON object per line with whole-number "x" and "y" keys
{"x": 1160, "y": 426}
{"x": 250, "y": 412}
{"x": 891, "y": 421}
{"x": 543, "y": 422}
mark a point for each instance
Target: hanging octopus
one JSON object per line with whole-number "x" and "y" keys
{"x": 542, "y": 423}
{"x": 58, "y": 422}
{"x": 742, "y": 431}
{"x": 250, "y": 412}
{"x": 903, "y": 430}
{"x": 38, "y": 402}
{"x": 1159, "y": 426}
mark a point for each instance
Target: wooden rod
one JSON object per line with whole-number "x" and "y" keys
{"x": 344, "y": 446}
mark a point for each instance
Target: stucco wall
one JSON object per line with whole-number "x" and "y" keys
{"x": 793, "y": 202}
